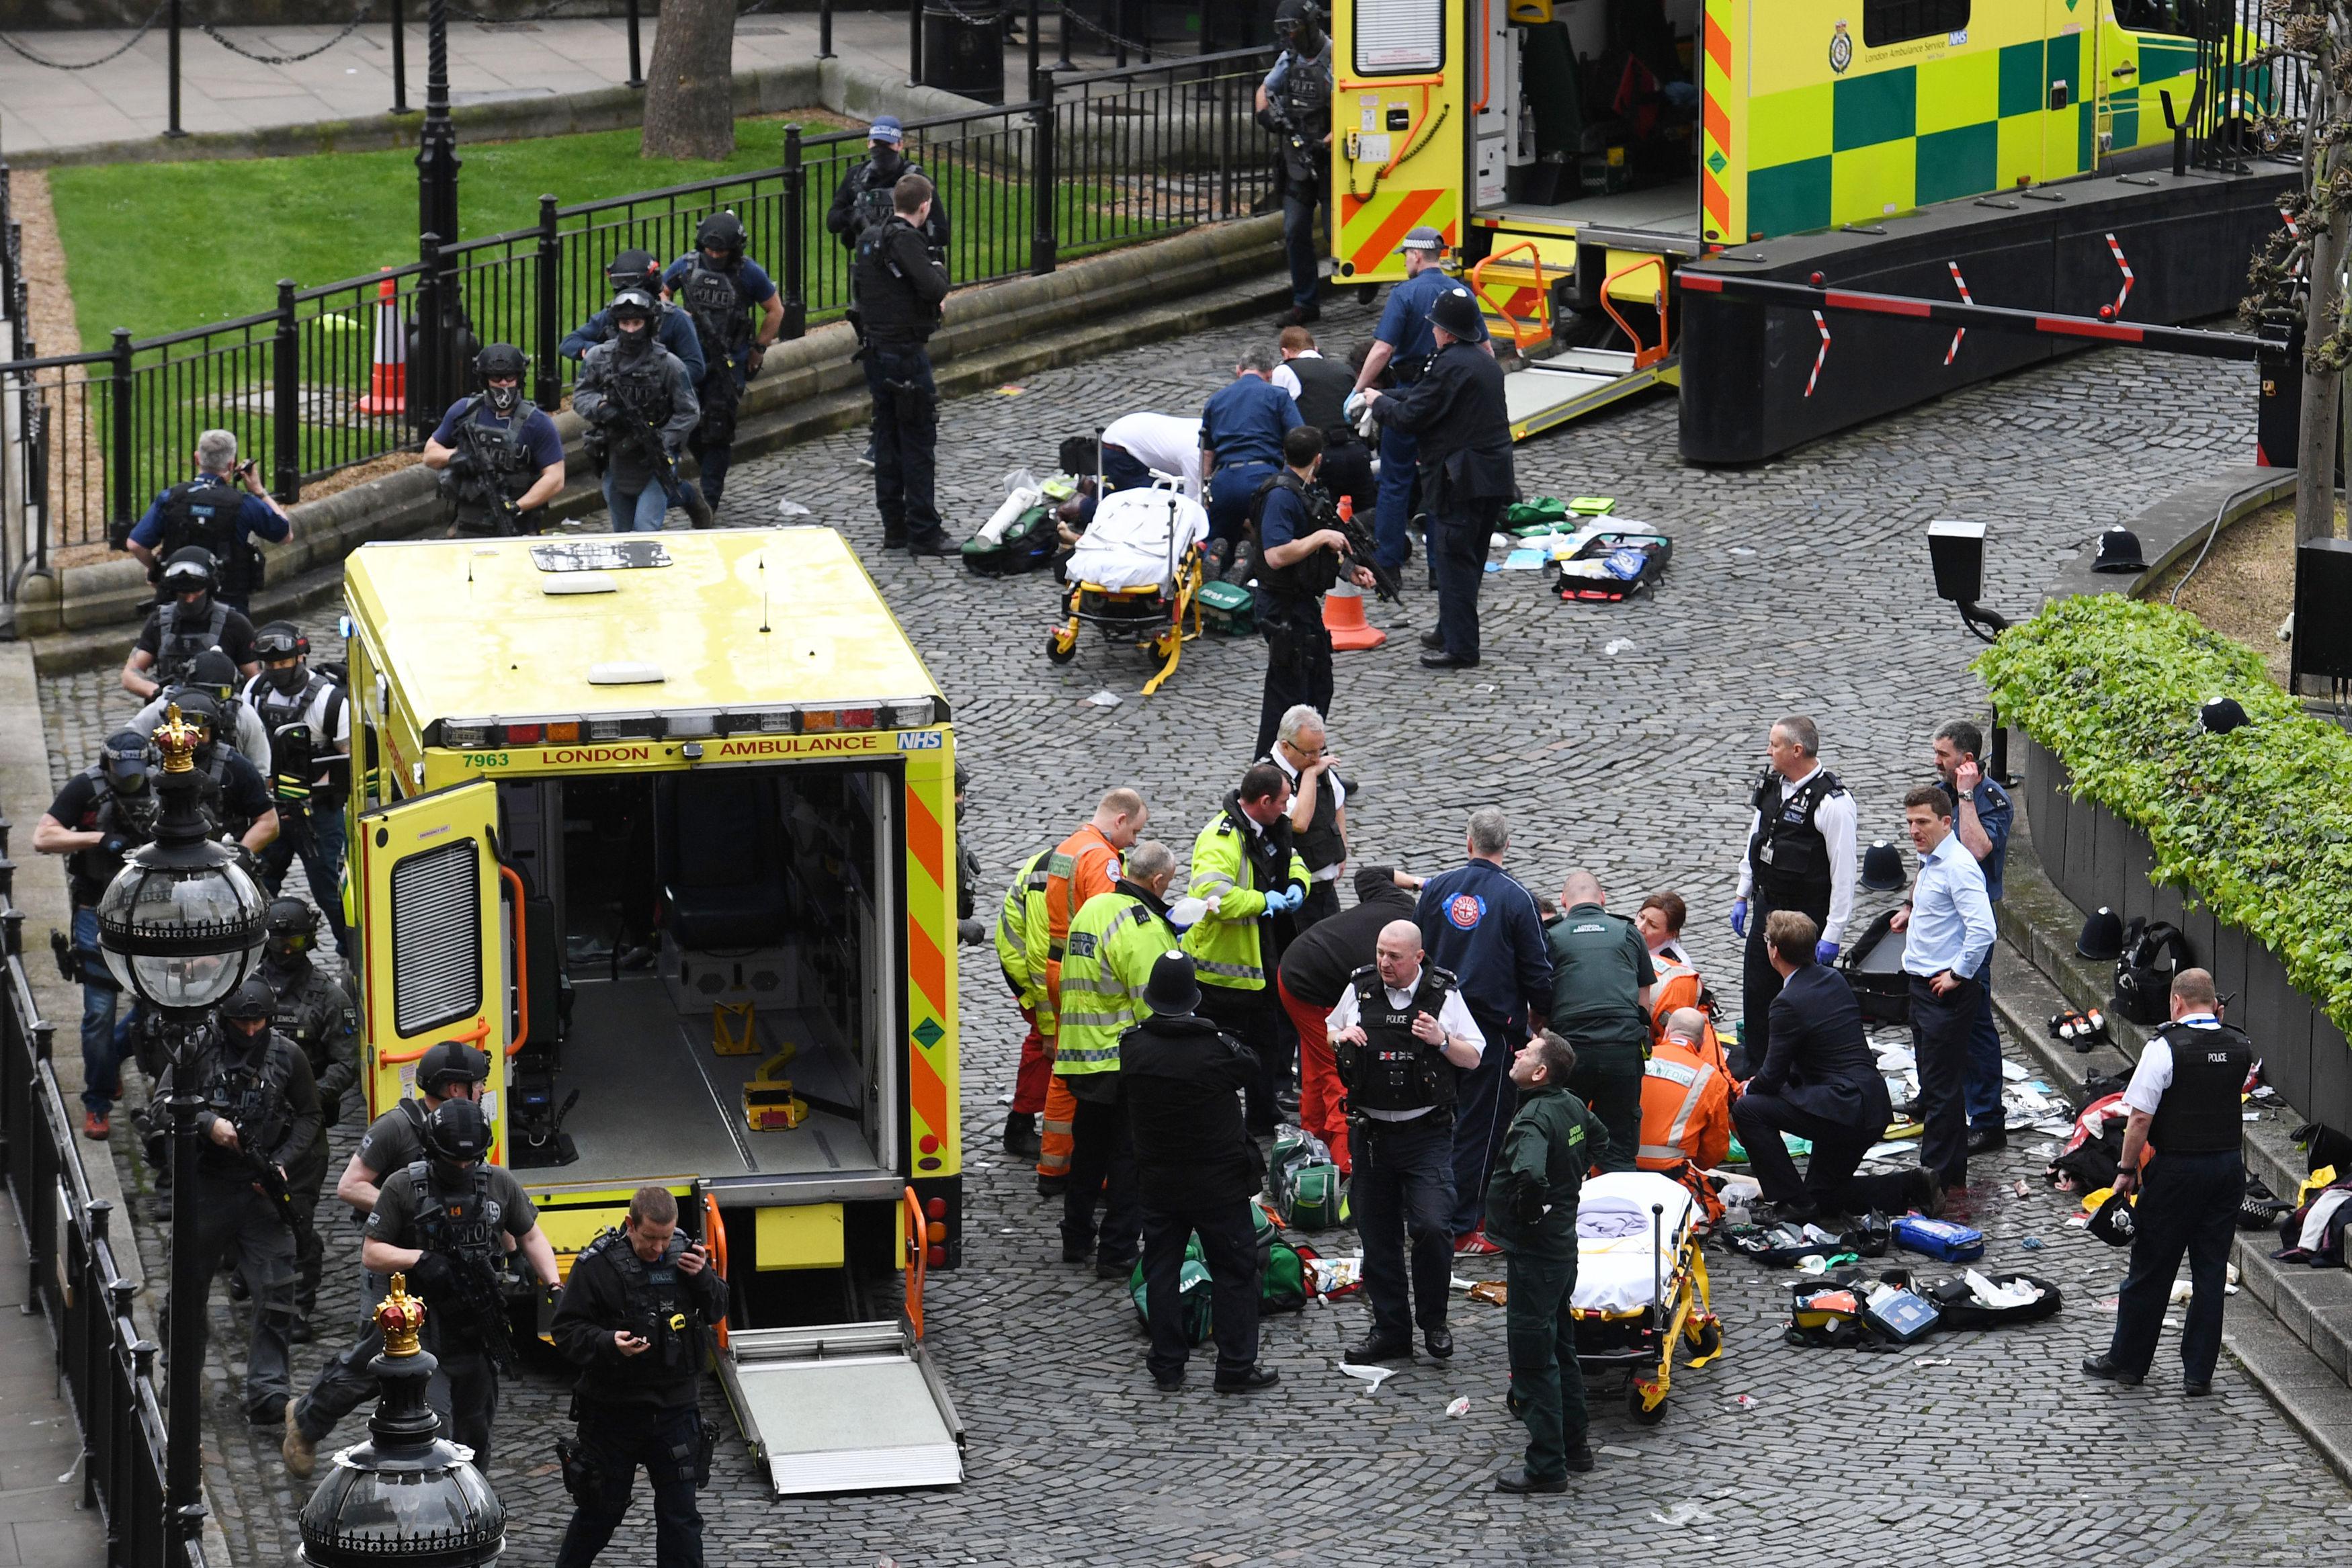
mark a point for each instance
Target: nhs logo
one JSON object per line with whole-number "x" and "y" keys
{"x": 921, "y": 739}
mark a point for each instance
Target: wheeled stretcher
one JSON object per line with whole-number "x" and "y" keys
{"x": 1137, "y": 575}
{"x": 1640, "y": 1286}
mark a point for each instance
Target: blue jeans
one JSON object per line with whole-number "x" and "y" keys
{"x": 1400, "y": 458}
{"x": 635, "y": 511}
{"x": 316, "y": 835}
{"x": 1981, "y": 1084}
{"x": 1298, "y": 208}
{"x": 1230, "y": 493}
{"x": 105, "y": 1042}
{"x": 1404, "y": 1197}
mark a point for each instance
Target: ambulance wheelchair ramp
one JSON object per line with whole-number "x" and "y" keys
{"x": 1542, "y": 393}
{"x": 841, "y": 1407}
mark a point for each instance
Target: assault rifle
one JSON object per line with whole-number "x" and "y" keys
{"x": 1364, "y": 552}
{"x": 478, "y": 466}
{"x": 267, "y": 1182}
{"x": 475, "y": 1308}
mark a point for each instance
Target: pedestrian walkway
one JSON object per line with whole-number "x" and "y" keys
{"x": 238, "y": 79}
{"x": 41, "y": 1519}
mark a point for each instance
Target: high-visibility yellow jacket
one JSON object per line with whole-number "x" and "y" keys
{"x": 1227, "y": 947}
{"x": 1113, "y": 942}
{"x": 1021, "y": 939}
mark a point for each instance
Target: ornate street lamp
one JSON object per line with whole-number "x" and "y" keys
{"x": 181, "y": 926}
{"x": 406, "y": 1495}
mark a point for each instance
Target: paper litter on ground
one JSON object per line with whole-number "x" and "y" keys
{"x": 1525, "y": 560}
{"x": 1460, "y": 1407}
{"x": 2012, "y": 1071}
{"x": 1888, "y": 1150}
{"x": 1329, "y": 1274}
{"x": 1103, "y": 699}
{"x": 1373, "y": 1376}
{"x": 2015, "y": 1293}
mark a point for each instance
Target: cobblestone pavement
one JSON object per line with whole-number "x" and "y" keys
{"x": 1621, "y": 738}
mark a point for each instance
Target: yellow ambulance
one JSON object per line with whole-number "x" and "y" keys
{"x": 665, "y": 823}
{"x": 1577, "y": 150}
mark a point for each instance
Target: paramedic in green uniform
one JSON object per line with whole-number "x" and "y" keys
{"x": 1602, "y": 976}
{"x": 1531, "y": 1212}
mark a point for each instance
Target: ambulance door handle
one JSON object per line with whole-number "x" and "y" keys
{"x": 2125, "y": 70}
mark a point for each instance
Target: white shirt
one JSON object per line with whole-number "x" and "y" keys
{"x": 1452, "y": 1016}
{"x": 1287, "y": 379}
{"x": 2153, "y": 1076}
{"x": 1161, "y": 442}
{"x": 1339, "y": 801}
{"x": 1835, "y": 817}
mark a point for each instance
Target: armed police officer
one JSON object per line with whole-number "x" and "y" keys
{"x": 635, "y": 1317}
{"x": 673, "y": 328}
{"x": 1295, "y": 103}
{"x": 196, "y": 618}
{"x": 316, "y": 1014}
{"x": 233, "y": 793}
{"x": 1402, "y": 346}
{"x": 211, "y": 674}
{"x": 899, "y": 289}
{"x": 2183, "y": 1151}
{"x": 103, "y": 814}
{"x": 1601, "y": 976}
{"x": 223, "y": 509}
{"x": 1800, "y": 856}
{"x": 1399, "y": 1034}
{"x": 307, "y": 718}
{"x": 260, "y": 1115}
{"x": 498, "y": 454}
{"x": 449, "y": 1070}
{"x": 446, "y": 1222}
{"x": 1531, "y": 1214}
{"x": 641, "y": 406}
{"x": 864, "y": 201}
{"x": 1461, "y": 430}
{"x": 1300, "y": 557}
{"x": 717, "y": 286}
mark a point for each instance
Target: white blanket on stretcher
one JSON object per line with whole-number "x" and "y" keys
{"x": 1617, "y": 1267}
{"x": 1127, "y": 544}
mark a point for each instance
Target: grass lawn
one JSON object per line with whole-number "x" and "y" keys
{"x": 227, "y": 232}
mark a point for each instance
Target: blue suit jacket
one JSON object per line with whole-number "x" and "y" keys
{"x": 1820, "y": 1060}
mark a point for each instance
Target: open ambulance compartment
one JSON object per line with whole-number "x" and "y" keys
{"x": 682, "y": 931}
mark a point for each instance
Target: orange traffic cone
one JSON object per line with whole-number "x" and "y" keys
{"x": 1343, "y": 617}
{"x": 388, "y": 371}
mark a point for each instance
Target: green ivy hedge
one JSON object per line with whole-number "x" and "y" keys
{"x": 2256, "y": 824}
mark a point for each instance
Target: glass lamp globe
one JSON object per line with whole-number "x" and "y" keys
{"x": 181, "y": 928}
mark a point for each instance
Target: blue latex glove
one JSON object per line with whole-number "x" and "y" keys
{"x": 1739, "y": 917}
{"x": 1286, "y": 900}
{"x": 1825, "y": 952}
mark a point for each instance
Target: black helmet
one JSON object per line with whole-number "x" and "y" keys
{"x": 253, "y": 999}
{"x": 1882, "y": 868}
{"x": 293, "y": 926}
{"x": 198, "y": 706}
{"x": 123, "y": 759}
{"x": 191, "y": 570}
{"x": 457, "y": 1131}
{"x": 280, "y": 639}
{"x": 500, "y": 359}
{"x": 634, "y": 269}
{"x": 451, "y": 1060}
{"x": 2114, "y": 1222}
{"x": 634, "y": 302}
{"x": 212, "y": 671}
{"x": 2118, "y": 551}
{"x": 720, "y": 231}
{"x": 1456, "y": 312}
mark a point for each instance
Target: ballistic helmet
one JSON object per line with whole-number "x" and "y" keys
{"x": 280, "y": 639}
{"x": 1458, "y": 313}
{"x": 293, "y": 927}
{"x": 457, "y": 1132}
{"x": 211, "y": 671}
{"x": 253, "y": 999}
{"x": 720, "y": 231}
{"x": 634, "y": 269}
{"x": 198, "y": 706}
{"x": 191, "y": 570}
{"x": 450, "y": 1062}
{"x": 632, "y": 302}
{"x": 500, "y": 359}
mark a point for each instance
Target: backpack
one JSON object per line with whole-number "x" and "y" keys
{"x": 1029, "y": 542}
{"x": 2313, "y": 1232}
{"x": 1193, "y": 1288}
{"x": 2095, "y": 1152}
{"x": 1281, "y": 1270}
{"x": 2154, "y": 951}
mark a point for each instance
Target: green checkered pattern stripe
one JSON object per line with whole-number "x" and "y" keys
{"x": 1853, "y": 148}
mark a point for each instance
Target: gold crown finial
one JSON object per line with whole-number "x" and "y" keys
{"x": 178, "y": 740}
{"x": 399, "y": 1317}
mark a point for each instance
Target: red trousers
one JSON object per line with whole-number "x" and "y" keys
{"x": 1319, "y": 1094}
{"x": 1037, "y": 1067}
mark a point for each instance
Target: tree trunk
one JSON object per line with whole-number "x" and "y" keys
{"x": 688, "y": 111}
{"x": 2315, "y": 489}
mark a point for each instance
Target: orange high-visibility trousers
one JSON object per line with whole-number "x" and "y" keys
{"x": 1054, "y": 1137}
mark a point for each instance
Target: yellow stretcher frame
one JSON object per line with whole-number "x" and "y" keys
{"x": 1692, "y": 1318}
{"x": 1086, "y": 603}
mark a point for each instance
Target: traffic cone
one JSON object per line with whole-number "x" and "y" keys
{"x": 1343, "y": 617}
{"x": 388, "y": 371}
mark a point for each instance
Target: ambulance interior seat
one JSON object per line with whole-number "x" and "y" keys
{"x": 719, "y": 854}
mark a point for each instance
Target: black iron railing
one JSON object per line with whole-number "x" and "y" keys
{"x": 351, "y": 371}
{"x": 2252, "y": 92}
{"x": 108, "y": 1368}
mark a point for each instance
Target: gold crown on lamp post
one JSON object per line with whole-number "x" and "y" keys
{"x": 178, "y": 740}
{"x": 399, "y": 1317}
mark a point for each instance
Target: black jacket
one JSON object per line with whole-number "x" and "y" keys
{"x": 841, "y": 218}
{"x": 1315, "y": 967}
{"x": 1457, "y": 410}
{"x": 595, "y": 1303}
{"x": 899, "y": 287}
{"x": 1818, "y": 1061}
{"x": 1181, "y": 1077}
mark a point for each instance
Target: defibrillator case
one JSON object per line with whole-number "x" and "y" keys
{"x": 1902, "y": 1316}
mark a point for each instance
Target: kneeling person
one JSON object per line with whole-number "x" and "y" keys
{"x": 1531, "y": 1213}
{"x": 636, "y": 1318}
